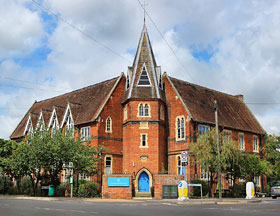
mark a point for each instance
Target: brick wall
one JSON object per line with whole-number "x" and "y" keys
{"x": 116, "y": 192}
{"x": 160, "y": 180}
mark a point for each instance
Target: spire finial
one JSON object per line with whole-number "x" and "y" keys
{"x": 144, "y": 7}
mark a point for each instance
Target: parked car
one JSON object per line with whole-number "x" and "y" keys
{"x": 275, "y": 190}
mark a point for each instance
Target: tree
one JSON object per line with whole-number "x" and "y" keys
{"x": 272, "y": 155}
{"x": 206, "y": 156}
{"x": 205, "y": 151}
{"x": 234, "y": 160}
{"x": 43, "y": 155}
{"x": 6, "y": 149}
{"x": 253, "y": 167}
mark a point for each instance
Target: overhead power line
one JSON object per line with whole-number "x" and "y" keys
{"x": 30, "y": 88}
{"x": 79, "y": 30}
{"x": 178, "y": 59}
{"x": 19, "y": 80}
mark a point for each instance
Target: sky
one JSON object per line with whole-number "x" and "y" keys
{"x": 231, "y": 46}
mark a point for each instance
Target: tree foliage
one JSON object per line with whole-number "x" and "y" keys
{"x": 42, "y": 157}
{"x": 272, "y": 155}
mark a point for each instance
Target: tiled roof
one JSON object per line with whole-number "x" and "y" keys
{"x": 232, "y": 112}
{"x": 85, "y": 105}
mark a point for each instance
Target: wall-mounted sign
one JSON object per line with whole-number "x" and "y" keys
{"x": 118, "y": 181}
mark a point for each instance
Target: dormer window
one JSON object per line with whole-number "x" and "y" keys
{"x": 54, "y": 124}
{"x": 30, "y": 128}
{"x": 69, "y": 124}
{"x": 127, "y": 81}
{"x": 144, "y": 78}
{"x": 40, "y": 124}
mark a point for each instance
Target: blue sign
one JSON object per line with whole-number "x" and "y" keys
{"x": 180, "y": 184}
{"x": 118, "y": 181}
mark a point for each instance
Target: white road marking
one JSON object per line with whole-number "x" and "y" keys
{"x": 169, "y": 204}
{"x": 66, "y": 210}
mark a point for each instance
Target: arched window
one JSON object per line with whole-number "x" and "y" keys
{"x": 108, "y": 125}
{"x": 180, "y": 168}
{"x": 141, "y": 110}
{"x": 180, "y": 128}
{"x": 108, "y": 165}
{"x": 146, "y": 109}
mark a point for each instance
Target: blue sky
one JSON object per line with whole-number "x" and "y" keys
{"x": 231, "y": 46}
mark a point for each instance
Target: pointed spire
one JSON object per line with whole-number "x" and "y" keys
{"x": 144, "y": 74}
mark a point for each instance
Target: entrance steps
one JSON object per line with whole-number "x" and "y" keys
{"x": 143, "y": 195}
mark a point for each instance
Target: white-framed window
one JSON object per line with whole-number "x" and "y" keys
{"x": 84, "y": 176}
{"x": 180, "y": 128}
{"x": 125, "y": 112}
{"x": 202, "y": 129}
{"x": 144, "y": 110}
{"x": 241, "y": 141}
{"x": 108, "y": 128}
{"x": 85, "y": 133}
{"x": 108, "y": 165}
{"x": 40, "y": 124}
{"x": 143, "y": 140}
{"x": 54, "y": 124}
{"x": 69, "y": 127}
{"x": 203, "y": 174}
{"x": 257, "y": 180}
{"x": 162, "y": 113}
{"x": 180, "y": 168}
{"x": 30, "y": 128}
{"x": 227, "y": 136}
{"x": 255, "y": 144}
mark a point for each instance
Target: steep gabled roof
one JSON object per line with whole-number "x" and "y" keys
{"x": 199, "y": 103}
{"x": 144, "y": 75}
{"x": 86, "y": 104}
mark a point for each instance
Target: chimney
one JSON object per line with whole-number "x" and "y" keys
{"x": 240, "y": 97}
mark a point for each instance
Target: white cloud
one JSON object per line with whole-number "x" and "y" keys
{"x": 242, "y": 36}
{"x": 20, "y": 28}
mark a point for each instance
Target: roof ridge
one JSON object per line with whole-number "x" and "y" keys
{"x": 96, "y": 84}
{"x": 207, "y": 88}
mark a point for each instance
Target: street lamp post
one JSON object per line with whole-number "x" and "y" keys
{"x": 218, "y": 148}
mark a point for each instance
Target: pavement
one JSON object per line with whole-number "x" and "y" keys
{"x": 207, "y": 201}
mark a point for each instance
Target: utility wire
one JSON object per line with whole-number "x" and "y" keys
{"x": 19, "y": 80}
{"x": 29, "y": 88}
{"x": 178, "y": 59}
{"x": 79, "y": 30}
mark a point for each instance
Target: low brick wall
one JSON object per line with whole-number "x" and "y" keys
{"x": 116, "y": 192}
{"x": 160, "y": 180}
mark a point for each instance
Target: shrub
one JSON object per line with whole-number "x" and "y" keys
{"x": 87, "y": 189}
{"x": 239, "y": 191}
{"x": 12, "y": 190}
{"x": 26, "y": 186}
{"x": 5, "y": 184}
{"x": 60, "y": 190}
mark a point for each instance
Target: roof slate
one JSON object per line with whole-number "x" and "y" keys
{"x": 232, "y": 112}
{"x": 85, "y": 102}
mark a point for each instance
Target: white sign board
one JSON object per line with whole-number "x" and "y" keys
{"x": 184, "y": 156}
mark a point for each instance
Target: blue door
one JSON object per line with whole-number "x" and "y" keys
{"x": 143, "y": 182}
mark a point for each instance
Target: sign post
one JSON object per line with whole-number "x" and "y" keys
{"x": 185, "y": 162}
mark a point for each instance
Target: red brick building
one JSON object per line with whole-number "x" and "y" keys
{"x": 145, "y": 120}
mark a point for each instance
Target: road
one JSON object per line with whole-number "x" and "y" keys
{"x": 10, "y": 207}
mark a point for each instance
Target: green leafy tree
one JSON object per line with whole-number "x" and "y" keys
{"x": 272, "y": 155}
{"x": 205, "y": 151}
{"x": 253, "y": 167}
{"x": 43, "y": 155}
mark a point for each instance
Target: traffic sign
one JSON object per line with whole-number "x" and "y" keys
{"x": 185, "y": 156}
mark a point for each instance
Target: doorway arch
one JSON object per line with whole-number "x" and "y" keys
{"x": 144, "y": 181}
